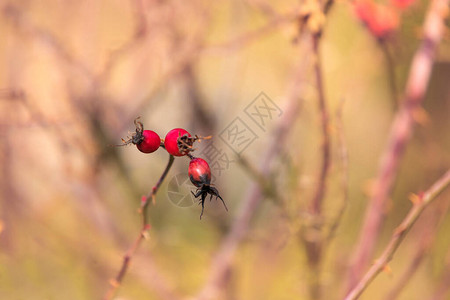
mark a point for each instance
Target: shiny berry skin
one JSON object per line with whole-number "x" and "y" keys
{"x": 178, "y": 142}
{"x": 150, "y": 142}
{"x": 200, "y": 175}
{"x": 199, "y": 172}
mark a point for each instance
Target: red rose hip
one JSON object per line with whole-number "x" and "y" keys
{"x": 146, "y": 141}
{"x": 150, "y": 142}
{"x": 178, "y": 142}
{"x": 200, "y": 175}
{"x": 199, "y": 172}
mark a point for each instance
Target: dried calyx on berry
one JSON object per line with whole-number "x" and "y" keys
{"x": 147, "y": 141}
{"x": 179, "y": 142}
{"x": 200, "y": 175}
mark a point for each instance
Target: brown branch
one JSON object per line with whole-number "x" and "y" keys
{"x": 400, "y": 134}
{"x": 343, "y": 152}
{"x": 409, "y": 271}
{"x": 311, "y": 234}
{"x": 316, "y": 203}
{"x": 429, "y": 226}
{"x": 419, "y": 205}
{"x": 390, "y": 68}
{"x": 115, "y": 283}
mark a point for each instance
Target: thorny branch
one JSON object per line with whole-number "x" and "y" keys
{"x": 419, "y": 204}
{"x": 429, "y": 226}
{"x": 400, "y": 134}
{"x": 115, "y": 283}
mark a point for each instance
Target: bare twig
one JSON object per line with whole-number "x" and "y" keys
{"x": 400, "y": 134}
{"x": 316, "y": 203}
{"x": 419, "y": 204}
{"x": 311, "y": 234}
{"x": 390, "y": 68}
{"x": 409, "y": 271}
{"x": 115, "y": 283}
{"x": 344, "y": 177}
{"x": 429, "y": 226}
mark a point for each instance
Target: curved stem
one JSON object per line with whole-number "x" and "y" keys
{"x": 324, "y": 118}
{"x": 314, "y": 247}
{"x": 115, "y": 283}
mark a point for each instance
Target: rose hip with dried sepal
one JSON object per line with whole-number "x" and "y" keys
{"x": 150, "y": 142}
{"x": 178, "y": 142}
{"x": 147, "y": 141}
{"x": 200, "y": 175}
{"x": 199, "y": 172}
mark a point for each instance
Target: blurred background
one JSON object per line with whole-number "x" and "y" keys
{"x": 75, "y": 74}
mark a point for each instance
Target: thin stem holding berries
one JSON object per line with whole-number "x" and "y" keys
{"x": 115, "y": 283}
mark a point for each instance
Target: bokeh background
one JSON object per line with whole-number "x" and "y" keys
{"x": 75, "y": 74}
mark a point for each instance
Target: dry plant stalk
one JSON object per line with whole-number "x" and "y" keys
{"x": 115, "y": 283}
{"x": 314, "y": 243}
{"x": 400, "y": 134}
{"x": 429, "y": 227}
{"x": 419, "y": 204}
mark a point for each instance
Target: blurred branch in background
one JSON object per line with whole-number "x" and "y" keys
{"x": 428, "y": 228}
{"x": 400, "y": 133}
{"x": 343, "y": 155}
{"x": 311, "y": 233}
{"x": 420, "y": 202}
{"x": 313, "y": 18}
{"x": 391, "y": 74}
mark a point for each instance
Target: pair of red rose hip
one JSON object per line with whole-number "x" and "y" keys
{"x": 178, "y": 142}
